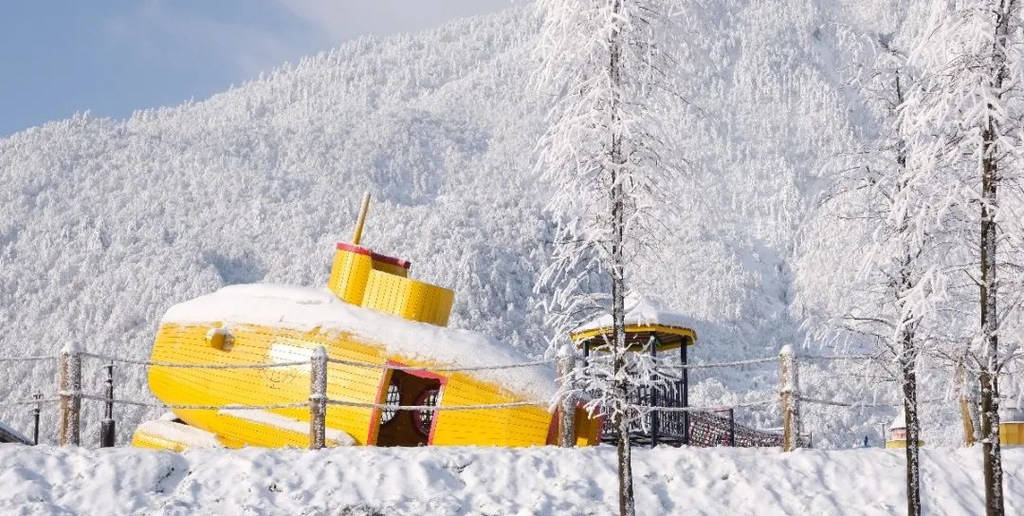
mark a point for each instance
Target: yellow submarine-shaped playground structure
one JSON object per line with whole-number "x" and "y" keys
{"x": 387, "y": 339}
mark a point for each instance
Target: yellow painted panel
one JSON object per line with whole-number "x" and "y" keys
{"x": 518, "y": 426}
{"x": 146, "y": 440}
{"x": 390, "y": 268}
{"x": 265, "y": 386}
{"x": 588, "y": 429}
{"x": 900, "y": 443}
{"x": 1012, "y": 433}
{"x": 408, "y": 298}
{"x": 349, "y": 274}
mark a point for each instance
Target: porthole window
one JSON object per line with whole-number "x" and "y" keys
{"x": 424, "y": 418}
{"x": 393, "y": 399}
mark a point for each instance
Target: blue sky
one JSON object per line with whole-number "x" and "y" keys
{"x": 110, "y": 57}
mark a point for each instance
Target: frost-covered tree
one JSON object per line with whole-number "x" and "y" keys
{"x": 888, "y": 284}
{"x": 967, "y": 121}
{"x": 606, "y": 63}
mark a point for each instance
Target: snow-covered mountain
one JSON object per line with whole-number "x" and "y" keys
{"x": 104, "y": 223}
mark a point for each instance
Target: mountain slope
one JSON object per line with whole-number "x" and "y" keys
{"x": 106, "y": 223}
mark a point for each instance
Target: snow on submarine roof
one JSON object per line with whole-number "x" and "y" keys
{"x": 304, "y": 309}
{"x": 641, "y": 311}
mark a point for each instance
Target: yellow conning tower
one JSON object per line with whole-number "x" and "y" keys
{"x": 362, "y": 277}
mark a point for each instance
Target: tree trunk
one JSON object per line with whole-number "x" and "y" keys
{"x": 907, "y": 344}
{"x": 912, "y": 422}
{"x": 965, "y": 403}
{"x": 989, "y": 286}
{"x": 991, "y": 452}
{"x": 1004, "y": 10}
{"x": 619, "y": 383}
{"x": 992, "y": 459}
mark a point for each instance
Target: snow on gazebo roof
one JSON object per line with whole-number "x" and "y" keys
{"x": 307, "y": 309}
{"x": 899, "y": 421}
{"x": 643, "y": 315}
{"x": 1011, "y": 413}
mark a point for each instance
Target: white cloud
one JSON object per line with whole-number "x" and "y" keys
{"x": 157, "y": 30}
{"x": 340, "y": 20}
{"x": 288, "y": 29}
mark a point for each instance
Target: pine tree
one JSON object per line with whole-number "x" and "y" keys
{"x": 606, "y": 62}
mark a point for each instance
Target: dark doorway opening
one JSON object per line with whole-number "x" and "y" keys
{"x": 408, "y": 427}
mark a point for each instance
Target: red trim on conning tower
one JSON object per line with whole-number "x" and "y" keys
{"x": 397, "y": 262}
{"x": 352, "y": 248}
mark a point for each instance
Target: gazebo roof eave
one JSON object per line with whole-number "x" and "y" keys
{"x": 583, "y": 335}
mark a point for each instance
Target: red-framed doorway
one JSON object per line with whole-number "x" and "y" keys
{"x": 382, "y": 391}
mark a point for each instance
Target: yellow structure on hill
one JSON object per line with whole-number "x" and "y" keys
{"x": 372, "y": 318}
{"x": 1011, "y": 426}
{"x": 898, "y": 432}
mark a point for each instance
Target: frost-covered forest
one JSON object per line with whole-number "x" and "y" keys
{"x": 104, "y": 224}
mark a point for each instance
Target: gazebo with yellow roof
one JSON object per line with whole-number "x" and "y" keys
{"x": 651, "y": 328}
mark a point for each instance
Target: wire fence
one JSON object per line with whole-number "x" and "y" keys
{"x": 21, "y": 403}
{"x": 28, "y": 359}
{"x": 837, "y": 357}
{"x": 188, "y": 365}
{"x": 679, "y": 414}
{"x": 435, "y": 408}
{"x": 174, "y": 406}
{"x": 719, "y": 365}
{"x": 722, "y": 408}
{"x": 372, "y": 365}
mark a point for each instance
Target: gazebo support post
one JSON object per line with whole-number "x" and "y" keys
{"x": 684, "y": 390}
{"x": 653, "y": 390}
{"x": 732, "y": 428}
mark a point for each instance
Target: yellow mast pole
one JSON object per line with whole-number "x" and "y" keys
{"x": 358, "y": 235}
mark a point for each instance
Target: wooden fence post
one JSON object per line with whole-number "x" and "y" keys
{"x": 567, "y": 411}
{"x": 70, "y": 394}
{"x": 652, "y": 393}
{"x": 318, "y": 399}
{"x": 789, "y": 394}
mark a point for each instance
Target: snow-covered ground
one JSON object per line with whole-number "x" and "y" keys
{"x": 531, "y": 481}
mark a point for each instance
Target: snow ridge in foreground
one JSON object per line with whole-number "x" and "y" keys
{"x": 543, "y": 480}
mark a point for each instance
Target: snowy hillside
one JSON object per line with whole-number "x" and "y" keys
{"x": 538, "y": 481}
{"x": 104, "y": 224}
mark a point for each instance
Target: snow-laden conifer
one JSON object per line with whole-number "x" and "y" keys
{"x": 604, "y": 155}
{"x": 888, "y": 287}
{"x": 966, "y": 125}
